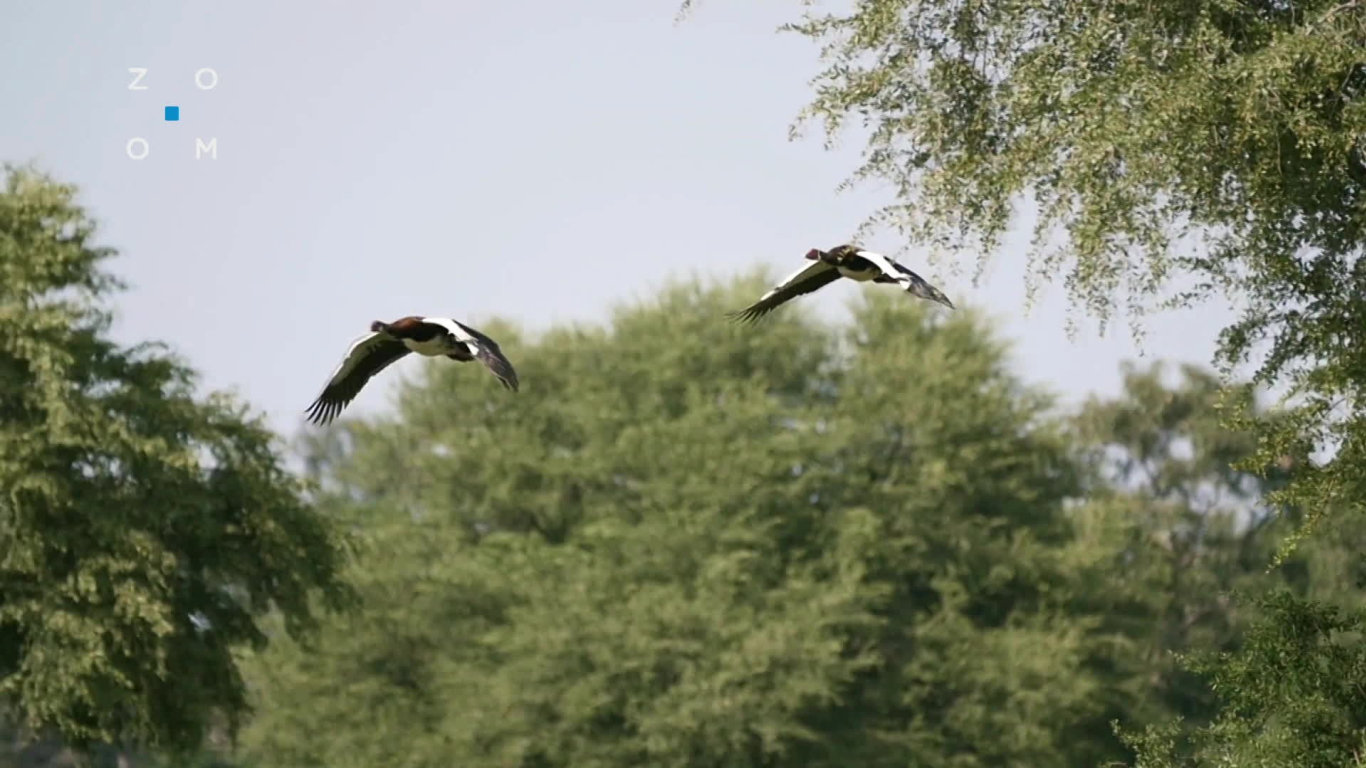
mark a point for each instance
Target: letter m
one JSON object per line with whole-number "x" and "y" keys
{"x": 200, "y": 147}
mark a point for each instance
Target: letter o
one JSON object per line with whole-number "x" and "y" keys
{"x": 199, "y": 81}
{"x": 133, "y": 142}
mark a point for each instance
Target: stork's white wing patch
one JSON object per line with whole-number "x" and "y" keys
{"x": 354, "y": 354}
{"x": 885, "y": 264}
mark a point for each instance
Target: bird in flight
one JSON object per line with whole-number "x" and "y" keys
{"x": 387, "y": 342}
{"x": 841, "y": 261}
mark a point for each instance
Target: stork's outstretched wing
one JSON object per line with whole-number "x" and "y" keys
{"x": 367, "y": 356}
{"x": 911, "y": 281}
{"x": 804, "y": 280}
{"x": 487, "y": 351}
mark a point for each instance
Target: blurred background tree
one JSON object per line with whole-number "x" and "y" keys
{"x": 689, "y": 543}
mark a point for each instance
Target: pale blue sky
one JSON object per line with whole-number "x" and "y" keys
{"x": 536, "y": 160}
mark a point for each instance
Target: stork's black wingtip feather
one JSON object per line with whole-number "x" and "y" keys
{"x": 320, "y": 413}
{"x": 747, "y": 317}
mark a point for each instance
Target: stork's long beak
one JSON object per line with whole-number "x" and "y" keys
{"x": 942, "y": 299}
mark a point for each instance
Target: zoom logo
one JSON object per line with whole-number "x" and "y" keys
{"x": 138, "y": 147}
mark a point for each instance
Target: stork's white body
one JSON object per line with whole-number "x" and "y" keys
{"x": 883, "y": 267}
{"x": 443, "y": 345}
{"x": 437, "y": 347}
{"x": 859, "y": 276}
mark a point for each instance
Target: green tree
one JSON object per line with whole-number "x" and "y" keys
{"x": 1291, "y": 696}
{"x": 144, "y": 532}
{"x": 686, "y": 543}
{"x": 1171, "y": 151}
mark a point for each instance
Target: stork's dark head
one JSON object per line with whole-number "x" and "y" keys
{"x": 378, "y": 326}
{"x": 836, "y": 255}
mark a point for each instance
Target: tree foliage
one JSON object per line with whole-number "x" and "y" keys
{"x": 1291, "y": 696}
{"x": 1172, "y": 151}
{"x": 143, "y": 531}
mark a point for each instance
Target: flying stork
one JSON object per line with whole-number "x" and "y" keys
{"x": 848, "y": 261}
{"x": 387, "y": 342}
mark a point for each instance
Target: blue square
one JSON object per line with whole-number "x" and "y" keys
{"x": 172, "y": 114}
